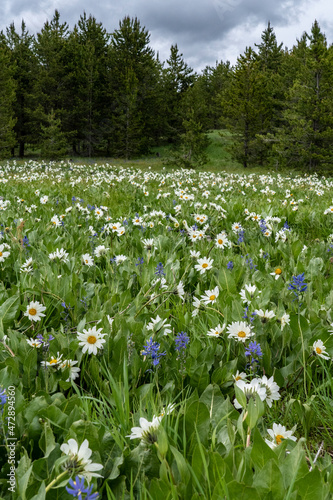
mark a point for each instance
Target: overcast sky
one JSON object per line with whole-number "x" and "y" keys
{"x": 205, "y": 31}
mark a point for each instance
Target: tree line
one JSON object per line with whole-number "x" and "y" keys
{"x": 87, "y": 92}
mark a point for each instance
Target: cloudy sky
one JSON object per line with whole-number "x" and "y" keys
{"x": 206, "y": 31}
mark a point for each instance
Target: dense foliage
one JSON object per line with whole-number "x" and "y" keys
{"x": 165, "y": 334}
{"x": 109, "y": 94}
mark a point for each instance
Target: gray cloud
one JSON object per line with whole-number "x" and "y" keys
{"x": 205, "y": 30}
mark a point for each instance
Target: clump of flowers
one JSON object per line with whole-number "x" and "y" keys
{"x": 151, "y": 349}
{"x": 76, "y": 489}
{"x": 182, "y": 340}
{"x": 298, "y": 285}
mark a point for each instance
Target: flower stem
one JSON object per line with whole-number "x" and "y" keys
{"x": 52, "y": 483}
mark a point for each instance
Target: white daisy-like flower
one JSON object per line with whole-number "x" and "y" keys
{"x": 87, "y": 259}
{"x": 250, "y": 390}
{"x": 197, "y": 304}
{"x": 159, "y": 325}
{"x": 265, "y": 315}
{"x": 54, "y": 361}
{"x": 320, "y": 349}
{"x": 91, "y": 340}
{"x": 285, "y": 320}
{"x": 98, "y": 213}
{"x": 203, "y": 265}
{"x": 194, "y": 254}
{"x": 236, "y": 227}
{"x": 180, "y": 290}
{"x": 240, "y": 331}
{"x": 100, "y": 250}
{"x": 239, "y": 376}
{"x": 215, "y": 332}
{"x": 27, "y": 266}
{"x": 119, "y": 259}
{"x": 61, "y": 254}
{"x": 3, "y": 253}
{"x": 210, "y": 296}
{"x": 147, "y": 431}
{"x": 73, "y": 370}
{"x": 272, "y": 389}
{"x": 120, "y": 231}
{"x": 277, "y": 273}
{"x": 55, "y": 221}
{"x": 79, "y": 459}
{"x": 35, "y": 311}
{"x": 34, "y": 342}
{"x": 44, "y": 199}
{"x": 278, "y": 434}
{"x": 221, "y": 241}
{"x": 248, "y": 293}
{"x": 149, "y": 244}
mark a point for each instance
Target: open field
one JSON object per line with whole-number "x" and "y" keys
{"x": 165, "y": 333}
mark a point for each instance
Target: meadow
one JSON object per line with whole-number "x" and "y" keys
{"x": 165, "y": 333}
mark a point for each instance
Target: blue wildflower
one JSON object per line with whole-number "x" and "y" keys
{"x": 152, "y": 349}
{"x": 181, "y": 341}
{"x": 230, "y": 265}
{"x": 298, "y": 285}
{"x": 77, "y": 488}
{"x": 160, "y": 270}
{"x": 253, "y": 350}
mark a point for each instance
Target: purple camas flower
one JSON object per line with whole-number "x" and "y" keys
{"x": 140, "y": 261}
{"x": 298, "y": 285}
{"x": 181, "y": 341}
{"x": 160, "y": 270}
{"x": 3, "y": 398}
{"x": 77, "y": 488}
{"x": 241, "y": 236}
{"x": 152, "y": 349}
{"x": 253, "y": 350}
{"x": 45, "y": 342}
{"x": 285, "y": 226}
{"x": 230, "y": 265}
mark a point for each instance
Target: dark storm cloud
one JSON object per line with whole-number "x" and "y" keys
{"x": 204, "y": 30}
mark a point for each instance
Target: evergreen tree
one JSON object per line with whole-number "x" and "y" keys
{"x": 51, "y": 90}
{"x": 133, "y": 82}
{"x": 89, "y": 42}
{"x": 178, "y": 78}
{"x": 53, "y": 140}
{"x": 306, "y": 139}
{"x": 243, "y": 105}
{"x": 269, "y": 58}
{"x": 7, "y": 97}
{"x": 25, "y": 70}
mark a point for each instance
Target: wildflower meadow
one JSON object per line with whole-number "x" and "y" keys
{"x": 165, "y": 334}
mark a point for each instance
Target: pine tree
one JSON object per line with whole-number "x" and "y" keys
{"x": 178, "y": 78}
{"x": 25, "y": 70}
{"x": 306, "y": 139}
{"x": 53, "y": 140}
{"x": 243, "y": 108}
{"x": 133, "y": 83}
{"x": 7, "y": 97}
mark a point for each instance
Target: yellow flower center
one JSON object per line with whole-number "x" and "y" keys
{"x": 318, "y": 350}
{"x": 86, "y": 261}
{"x": 278, "y": 271}
{"x": 204, "y": 265}
{"x": 241, "y": 334}
{"x": 279, "y": 438}
{"x": 238, "y": 377}
{"x": 32, "y": 312}
{"x": 91, "y": 339}
{"x": 220, "y": 241}
{"x": 53, "y": 361}
{"x": 212, "y": 297}
{"x": 0, "y": 254}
